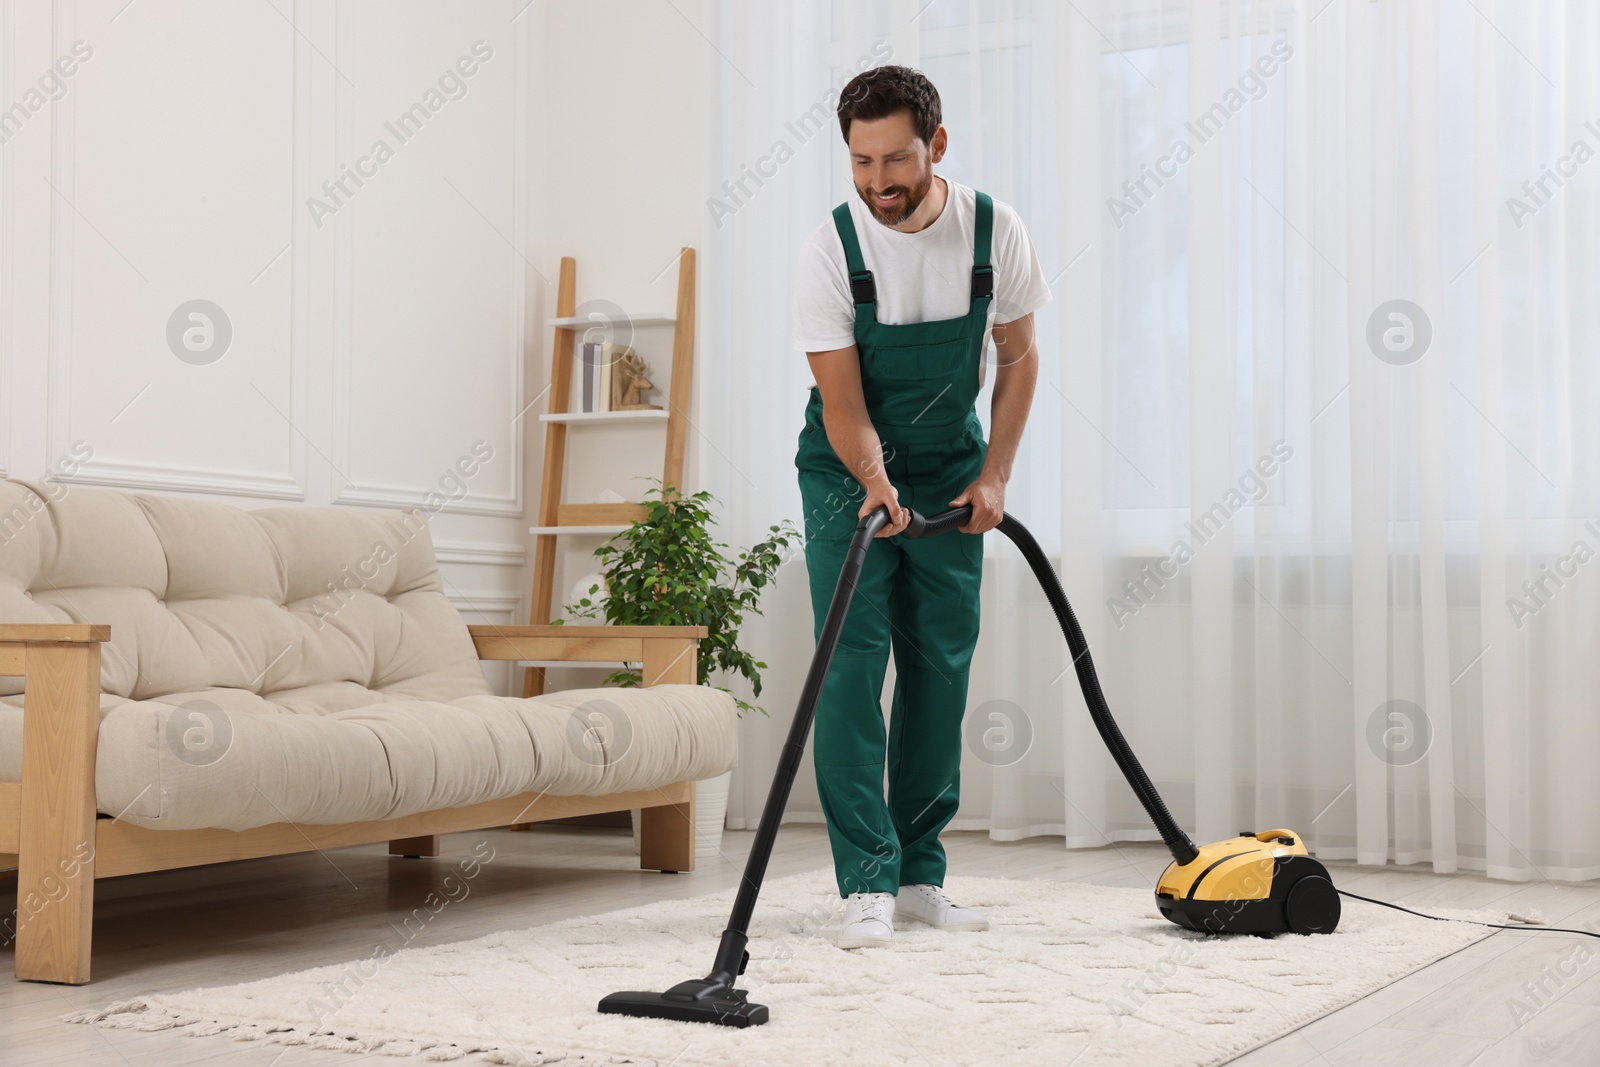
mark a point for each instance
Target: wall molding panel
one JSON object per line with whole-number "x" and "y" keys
{"x": 356, "y": 483}
{"x": 504, "y": 607}
{"x": 176, "y": 479}
{"x": 481, "y": 552}
{"x": 73, "y": 230}
{"x": 369, "y": 355}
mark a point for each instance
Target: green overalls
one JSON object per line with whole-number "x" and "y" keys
{"x": 920, "y": 598}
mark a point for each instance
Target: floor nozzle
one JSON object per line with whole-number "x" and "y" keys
{"x": 699, "y": 1000}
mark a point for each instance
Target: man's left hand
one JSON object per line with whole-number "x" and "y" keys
{"x": 988, "y": 499}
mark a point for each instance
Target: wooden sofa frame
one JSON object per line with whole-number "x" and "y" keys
{"x": 50, "y": 830}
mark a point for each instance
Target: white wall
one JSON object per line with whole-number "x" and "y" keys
{"x": 379, "y": 334}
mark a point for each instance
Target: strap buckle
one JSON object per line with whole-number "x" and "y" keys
{"x": 862, "y": 288}
{"x": 982, "y": 281}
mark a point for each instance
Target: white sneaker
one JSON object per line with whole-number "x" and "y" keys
{"x": 868, "y": 920}
{"x": 927, "y": 903}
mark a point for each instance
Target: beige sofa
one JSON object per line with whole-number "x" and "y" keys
{"x": 184, "y": 682}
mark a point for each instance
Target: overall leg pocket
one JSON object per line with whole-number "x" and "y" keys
{"x": 831, "y": 499}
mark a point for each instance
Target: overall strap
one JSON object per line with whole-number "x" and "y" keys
{"x": 863, "y": 290}
{"x": 982, "y": 272}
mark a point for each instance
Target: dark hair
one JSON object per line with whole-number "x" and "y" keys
{"x": 882, "y": 91}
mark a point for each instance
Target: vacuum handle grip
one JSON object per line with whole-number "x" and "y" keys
{"x": 934, "y": 525}
{"x": 872, "y": 522}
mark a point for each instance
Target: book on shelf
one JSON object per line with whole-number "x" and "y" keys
{"x": 609, "y": 355}
{"x": 591, "y": 377}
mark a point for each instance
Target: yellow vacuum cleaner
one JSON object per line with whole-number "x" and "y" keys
{"x": 1256, "y": 883}
{"x": 1261, "y": 883}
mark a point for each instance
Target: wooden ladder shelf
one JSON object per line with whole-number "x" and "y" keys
{"x": 592, "y": 518}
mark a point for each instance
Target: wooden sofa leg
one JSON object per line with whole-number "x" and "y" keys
{"x": 666, "y": 833}
{"x": 55, "y": 865}
{"x": 413, "y": 847}
{"x": 666, "y": 837}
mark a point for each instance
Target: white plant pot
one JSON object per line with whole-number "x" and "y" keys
{"x": 710, "y": 815}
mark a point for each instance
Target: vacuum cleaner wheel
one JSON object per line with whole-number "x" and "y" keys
{"x": 1312, "y": 906}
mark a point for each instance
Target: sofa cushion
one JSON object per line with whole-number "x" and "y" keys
{"x": 250, "y": 763}
{"x": 304, "y": 665}
{"x": 202, "y": 595}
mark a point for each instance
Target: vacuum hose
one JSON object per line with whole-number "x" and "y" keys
{"x": 1178, "y": 843}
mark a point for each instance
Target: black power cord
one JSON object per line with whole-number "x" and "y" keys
{"x": 1474, "y": 922}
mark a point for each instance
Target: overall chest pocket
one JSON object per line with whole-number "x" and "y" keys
{"x": 924, "y": 362}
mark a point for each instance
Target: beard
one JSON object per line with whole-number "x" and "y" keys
{"x": 911, "y": 199}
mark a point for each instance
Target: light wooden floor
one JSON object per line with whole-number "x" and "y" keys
{"x": 237, "y": 922}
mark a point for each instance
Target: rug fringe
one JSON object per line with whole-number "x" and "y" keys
{"x": 139, "y": 1013}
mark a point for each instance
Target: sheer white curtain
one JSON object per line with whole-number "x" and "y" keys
{"x": 1314, "y": 440}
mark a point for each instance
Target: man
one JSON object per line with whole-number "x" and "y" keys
{"x": 893, "y": 299}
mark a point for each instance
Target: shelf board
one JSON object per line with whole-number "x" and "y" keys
{"x": 540, "y": 531}
{"x": 647, "y": 318}
{"x": 601, "y": 664}
{"x": 648, "y": 415}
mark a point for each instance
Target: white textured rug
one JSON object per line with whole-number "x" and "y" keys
{"x": 1070, "y": 974}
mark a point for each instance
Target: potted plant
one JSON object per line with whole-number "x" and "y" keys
{"x": 667, "y": 570}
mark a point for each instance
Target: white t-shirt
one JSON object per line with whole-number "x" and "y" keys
{"x": 920, "y": 277}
